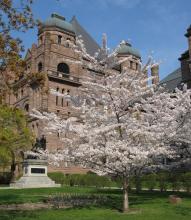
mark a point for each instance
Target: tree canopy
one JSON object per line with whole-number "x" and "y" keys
{"x": 15, "y": 16}
{"x": 124, "y": 123}
{"x": 15, "y": 136}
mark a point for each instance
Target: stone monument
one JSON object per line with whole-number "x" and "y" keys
{"x": 35, "y": 170}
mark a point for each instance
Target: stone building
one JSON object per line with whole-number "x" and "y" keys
{"x": 185, "y": 60}
{"x": 183, "y": 73}
{"x": 53, "y": 64}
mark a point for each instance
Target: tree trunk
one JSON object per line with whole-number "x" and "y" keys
{"x": 13, "y": 168}
{"x": 138, "y": 183}
{"x": 125, "y": 195}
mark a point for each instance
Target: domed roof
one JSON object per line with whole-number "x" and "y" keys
{"x": 126, "y": 48}
{"x": 58, "y": 21}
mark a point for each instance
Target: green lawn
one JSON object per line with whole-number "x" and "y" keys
{"x": 151, "y": 206}
{"x": 8, "y": 196}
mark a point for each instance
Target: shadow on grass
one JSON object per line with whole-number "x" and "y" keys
{"x": 7, "y": 215}
{"x": 134, "y": 198}
{"x": 9, "y": 198}
{"x": 144, "y": 197}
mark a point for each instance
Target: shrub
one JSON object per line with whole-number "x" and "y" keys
{"x": 76, "y": 200}
{"x": 58, "y": 177}
{"x": 5, "y": 177}
{"x": 137, "y": 182}
{"x": 81, "y": 179}
{"x": 186, "y": 178}
{"x": 163, "y": 181}
{"x": 175, "y": 180}
{"x": 150, "y": 181}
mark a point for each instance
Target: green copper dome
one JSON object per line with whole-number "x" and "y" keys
{"x": 126, "y": 48}
{"x": 59, "y": 22}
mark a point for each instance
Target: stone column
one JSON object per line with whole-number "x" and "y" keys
{"x": 47, "y": 47}
{"x": 44, "y": 91}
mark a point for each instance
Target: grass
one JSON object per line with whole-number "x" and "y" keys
{"x": 9, "y": 196}
{"x": 152, "y": 206}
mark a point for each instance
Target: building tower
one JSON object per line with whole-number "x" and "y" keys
{"x": 126, "y": 50}
{"x": 185, "y": 60}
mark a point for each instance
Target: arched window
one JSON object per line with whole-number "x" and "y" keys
{"x": 63, "y": 68}
{"x": 39, "y": 67}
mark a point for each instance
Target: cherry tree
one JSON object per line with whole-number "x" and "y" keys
{"x": 124, "y": 124}
{"x": 181, "y": 142}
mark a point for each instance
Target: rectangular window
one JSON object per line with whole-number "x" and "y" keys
{"x": 56, "y": 100}
{"x": 131, "y": 64}
{"x": 59, "y": 39}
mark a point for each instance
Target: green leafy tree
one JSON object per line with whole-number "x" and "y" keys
{"x": 15, "y": 16}
{"x": 15, "y": 137}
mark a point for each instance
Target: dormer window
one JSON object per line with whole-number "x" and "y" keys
{"x": 59, "y": 39}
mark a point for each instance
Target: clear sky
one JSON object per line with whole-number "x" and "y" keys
{"x": 156, "y": 26}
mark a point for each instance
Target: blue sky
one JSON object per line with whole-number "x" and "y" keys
{"x": 152, "y": 26}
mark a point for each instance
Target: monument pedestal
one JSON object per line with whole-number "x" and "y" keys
{"x": 34, "y": 175}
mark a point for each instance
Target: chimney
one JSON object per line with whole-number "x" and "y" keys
{"x": 155, "y": 74}
{"x": 104, "y": 43}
